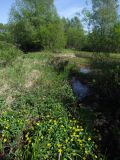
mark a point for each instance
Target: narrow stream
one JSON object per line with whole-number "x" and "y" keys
{"x": 81, "y": 90}
{"x": 85, "y": 70}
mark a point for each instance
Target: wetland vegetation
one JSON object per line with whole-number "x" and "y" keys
{"x": 60, "y": 84}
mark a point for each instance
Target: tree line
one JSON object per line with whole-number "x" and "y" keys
{"x": 36, "y": 25}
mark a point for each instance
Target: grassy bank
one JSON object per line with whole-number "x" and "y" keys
{"x": 35, "y": 120}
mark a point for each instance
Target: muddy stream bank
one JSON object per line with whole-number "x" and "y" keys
{"x": 110, "y": 141}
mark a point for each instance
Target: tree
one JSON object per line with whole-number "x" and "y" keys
{"x": 52, "y": 36}
{"x": 115, "y": 36}
{"x": 103, "y": 18}
{"x": 36, "y": 25}
{"x": 4, "y": 33}
{"x": 74, "y": 33}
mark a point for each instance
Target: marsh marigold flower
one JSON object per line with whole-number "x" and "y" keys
{"x": 59, "y": 150}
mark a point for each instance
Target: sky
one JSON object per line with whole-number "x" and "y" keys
{"x": 66, "y": 8}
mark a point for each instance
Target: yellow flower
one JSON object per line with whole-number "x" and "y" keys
{"x": 71, "y": 140}
{"x": 48, "y": 144}
{"x": 75, "y": 121}
{"x": 66, "y": 140}
{"x": 50, "y": 121}
{"x": 81, "y": 144}
{"x": 3, "y": 135}
{"x": 96, "y": 156}
{"x": 27, "y": 135}
{"x": 59, "y": 150}
{"x": 81, "y": 129}
{"x": 55, "y": 122}
{"x": 77, "y": 126}
{"x": 77, "y": 136}
{"x": 73, "y": 128}
{"x": 77, "y": 130}
{"x": 29, "y": 141}
{"x": 74, "y": 134}
{"x": 79, "y": 140}
{"x": 5, "y": 140}
{"x": 38, "y": 123}
{"x": 86, "y": 152}
{"x": 89, "y": 138}
{"x": 7, "y": 127}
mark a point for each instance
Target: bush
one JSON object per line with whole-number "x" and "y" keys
{"x": 8, "y": 53}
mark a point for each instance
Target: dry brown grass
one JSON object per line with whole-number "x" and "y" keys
{"x": 32, "y": 79}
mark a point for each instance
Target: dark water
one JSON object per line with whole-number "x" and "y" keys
{"x": 80, "y": 90}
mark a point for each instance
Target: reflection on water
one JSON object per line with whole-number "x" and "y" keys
{"x": 85, "y": 70}
{"x": 80, "y": 90}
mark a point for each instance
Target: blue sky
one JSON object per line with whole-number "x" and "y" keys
{"x": 66, "y": 8}
{"x": 4, "y": 9}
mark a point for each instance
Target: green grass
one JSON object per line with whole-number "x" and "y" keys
{"x": 35, "y": 122}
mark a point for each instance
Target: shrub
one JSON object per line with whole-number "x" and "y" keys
{"x": 8, "y": 53}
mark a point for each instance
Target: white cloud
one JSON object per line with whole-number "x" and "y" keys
{"x": 70, "y": 12}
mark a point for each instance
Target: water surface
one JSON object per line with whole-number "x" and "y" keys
{"x": 85, "y": 70}
{"x": 80, "y": 90}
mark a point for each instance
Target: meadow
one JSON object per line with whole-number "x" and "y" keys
{"x": 36, "y": 119}
{"x": 60, "y": 81}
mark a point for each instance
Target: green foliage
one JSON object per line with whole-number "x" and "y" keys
{"x": 107, "y": 81}
{"x": 5, "y": 34}
{"x": 116, "y": 38}
{"x": 52, "y": 36}
{"x": 74, "y": 32}
{"x": 104, "y": 15}
{"x": 63, "y": 143}
{"x": 8, "y": 53}
{"x": 24, "y": 35}
{"x": 35, "y": 25}
{"x": 103, "y": 19}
